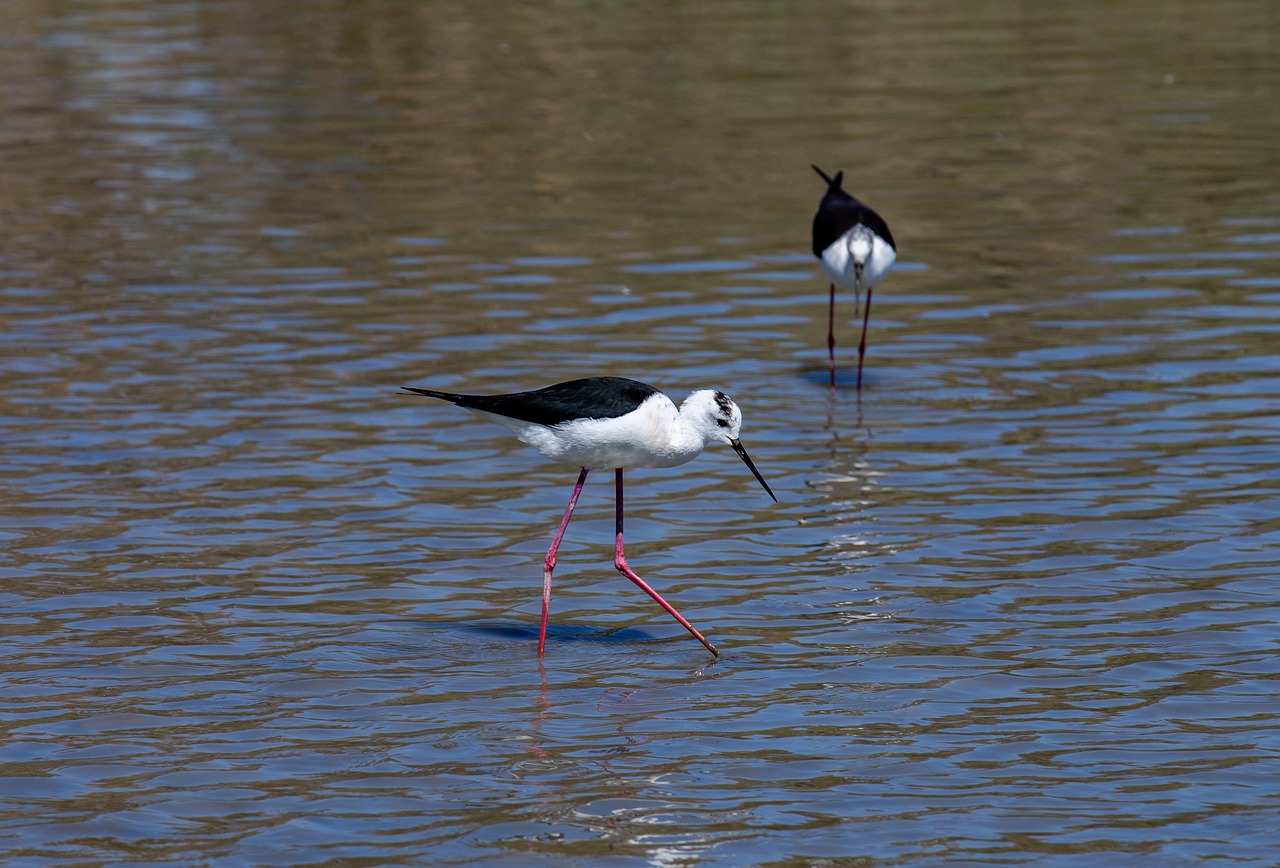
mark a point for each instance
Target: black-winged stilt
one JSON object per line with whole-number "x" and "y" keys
{"x": 603, "y": 422}
{"x": 856, "y": 249}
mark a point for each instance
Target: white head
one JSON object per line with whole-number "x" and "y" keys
{"x": 870, "y": 255}
{"x": 715, "y": 416}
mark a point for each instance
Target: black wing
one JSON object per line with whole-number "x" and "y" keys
{"x": 589, "y": 398}
{"x": 838, "y": 212}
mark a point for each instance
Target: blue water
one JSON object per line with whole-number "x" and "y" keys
{"x": 1014, "y": 605}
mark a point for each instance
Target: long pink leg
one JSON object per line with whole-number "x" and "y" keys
{"x": 831, "y": 335}
{"x": 620, "y": 561}
{"x": 549, "y": 563}
{"x": 862, "y": 347}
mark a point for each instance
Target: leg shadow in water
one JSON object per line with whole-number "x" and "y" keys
{"x": 519, "y": 633}
{"x": 492, "y": 640}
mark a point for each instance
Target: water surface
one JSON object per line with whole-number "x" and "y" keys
{"x": 1014, "y": 605}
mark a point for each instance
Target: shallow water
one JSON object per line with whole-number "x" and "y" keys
{"x": 1014, "y": 605}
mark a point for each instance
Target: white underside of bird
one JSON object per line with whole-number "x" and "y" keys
{"x": 655, "y": 434}
{"x": 858, "y": 259}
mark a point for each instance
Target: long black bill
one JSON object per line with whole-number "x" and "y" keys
{"x": 742, "y": 453}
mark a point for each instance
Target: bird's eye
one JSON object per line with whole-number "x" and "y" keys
{"x": 723, "y": 423}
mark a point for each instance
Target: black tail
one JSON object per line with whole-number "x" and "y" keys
{"x": 834, "y": 185}
{"x": 432, "y": 393}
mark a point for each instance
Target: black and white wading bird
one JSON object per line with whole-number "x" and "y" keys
{"x": 610, "y": 422}
{"x": 856, "y": 249}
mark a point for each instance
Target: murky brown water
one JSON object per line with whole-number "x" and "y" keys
{"x": 1015, "y": 605}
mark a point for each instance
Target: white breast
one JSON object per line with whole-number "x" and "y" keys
{"x": 859, "y": 249}
{"x": 652, "y": 435}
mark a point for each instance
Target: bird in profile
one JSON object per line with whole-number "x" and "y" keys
{"x": 610, "y": 422}
{"x": 856, "y": 250}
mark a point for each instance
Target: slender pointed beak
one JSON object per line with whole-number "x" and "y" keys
{"x": 742, "y": 453}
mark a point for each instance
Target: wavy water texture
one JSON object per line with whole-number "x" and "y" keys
{"x": 1014, "y": 605}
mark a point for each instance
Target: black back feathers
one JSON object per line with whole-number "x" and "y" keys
{"x": 838, "y": 212}
{"x": 588, "y": 398}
